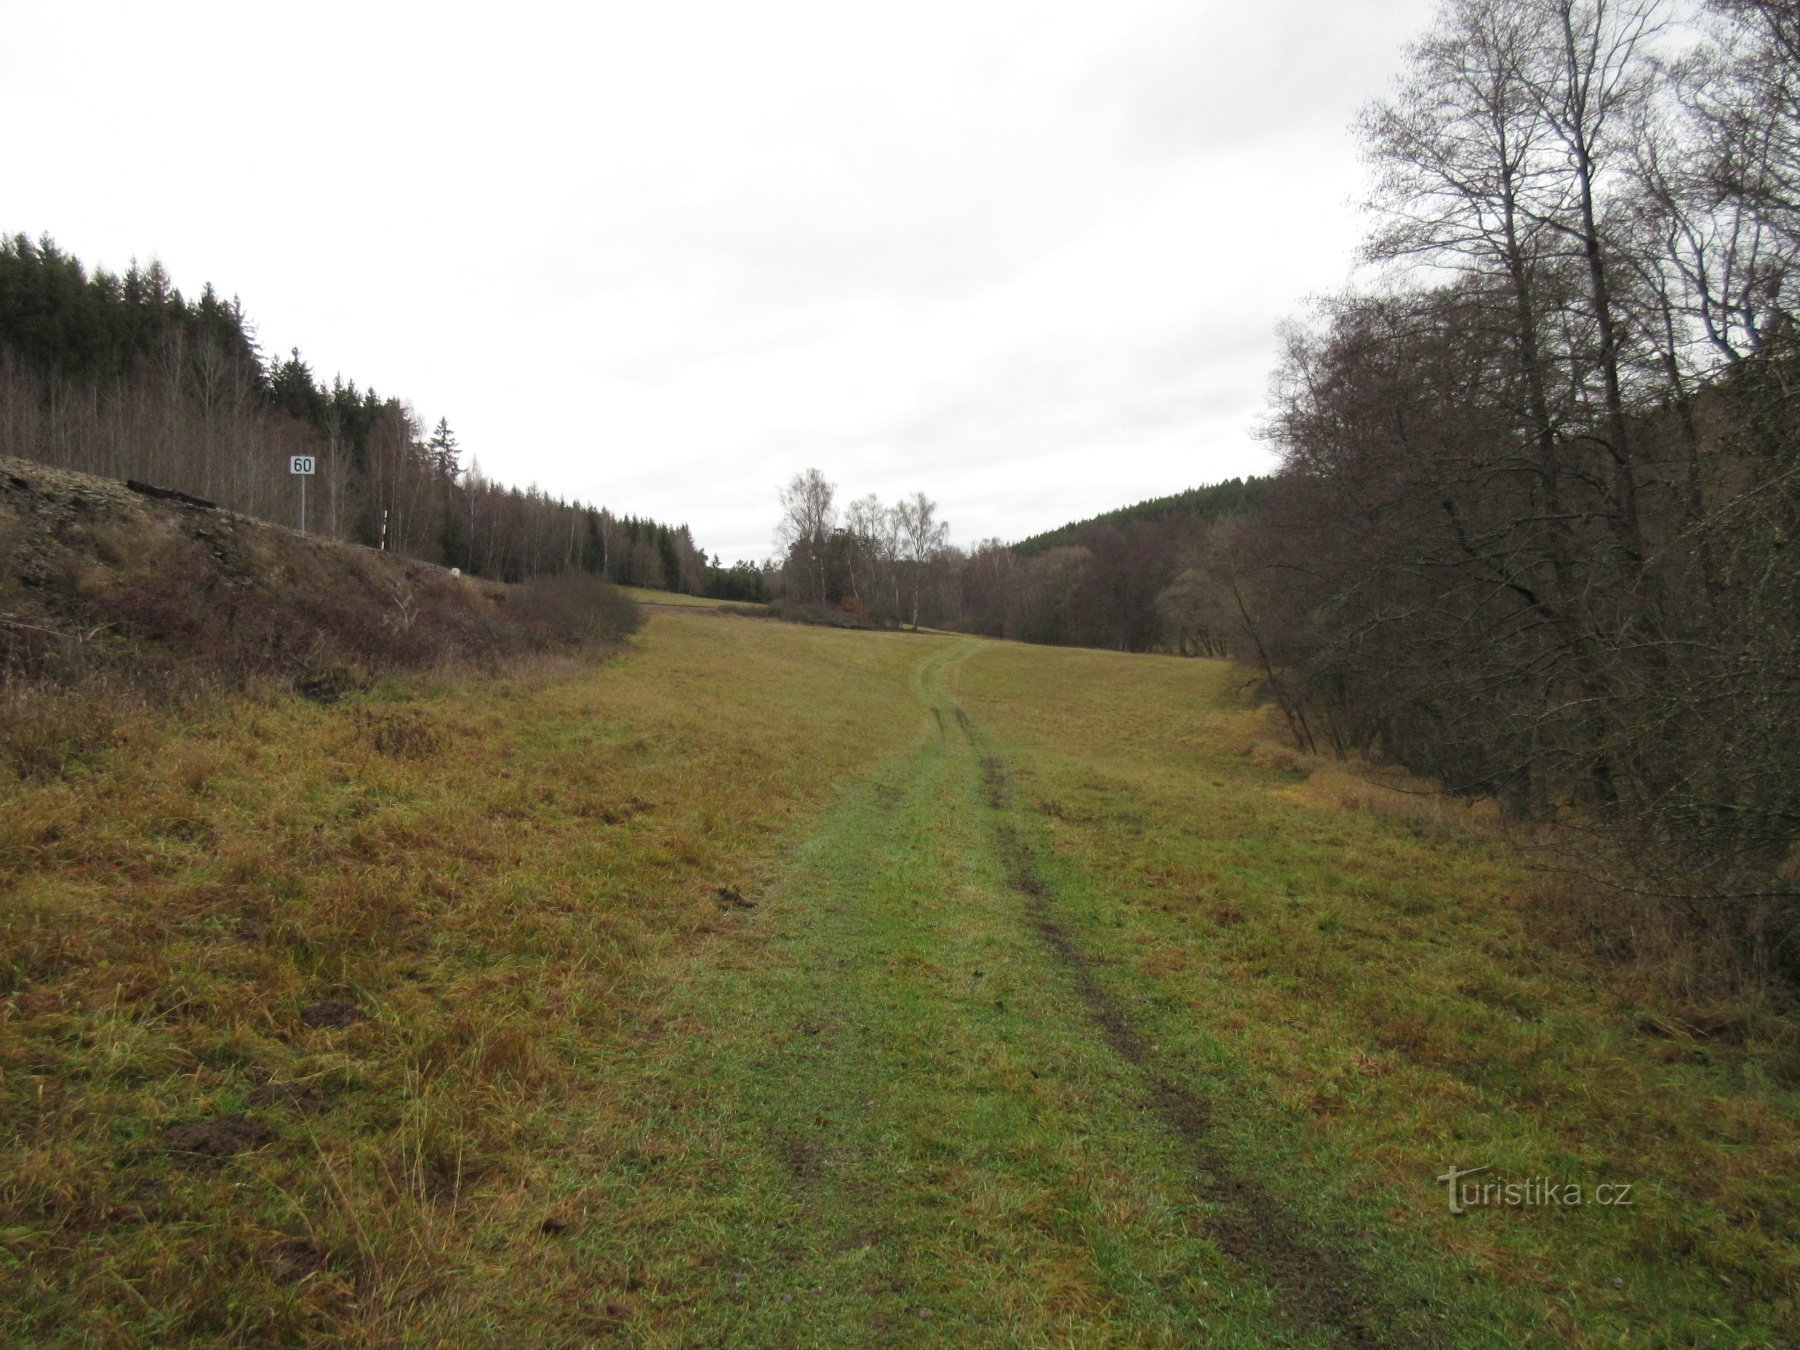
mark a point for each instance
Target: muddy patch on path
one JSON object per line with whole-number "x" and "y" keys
{"x": 993, "y": 779}
{"x": 1319, "y": 1287}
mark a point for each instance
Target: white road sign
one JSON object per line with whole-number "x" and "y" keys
{"x": 301, "y": 464}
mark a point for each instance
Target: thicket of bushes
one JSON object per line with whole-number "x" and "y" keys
{"x": 1534, "y": 533}
{"x": 823, "y": 616}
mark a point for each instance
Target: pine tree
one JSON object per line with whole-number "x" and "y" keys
{"x": 443, "y": 448}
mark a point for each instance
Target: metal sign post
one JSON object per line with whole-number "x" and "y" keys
{"x": 303, "y": 466}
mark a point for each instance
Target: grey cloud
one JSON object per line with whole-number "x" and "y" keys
{"x": 1065, "y": 394}
{"x": 1196, "y": 78}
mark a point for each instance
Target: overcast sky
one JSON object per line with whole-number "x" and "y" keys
{"x": 1028, "y": 257}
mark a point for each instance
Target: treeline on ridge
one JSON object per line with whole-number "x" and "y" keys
{"x": 1125, "y": 580}
{"x": 1233, "y": 496}
{"x": 123, "y": 377}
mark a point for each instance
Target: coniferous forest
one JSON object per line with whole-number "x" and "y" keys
{"x": 125, "y": 377}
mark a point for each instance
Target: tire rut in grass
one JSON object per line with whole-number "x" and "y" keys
{"x": 1318, "y": 1286}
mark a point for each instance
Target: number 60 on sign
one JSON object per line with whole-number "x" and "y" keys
{"x": 302, "y": 465}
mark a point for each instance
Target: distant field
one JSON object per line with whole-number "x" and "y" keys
{"x": 779, "y": 985}
{"x": 649, "y": 597}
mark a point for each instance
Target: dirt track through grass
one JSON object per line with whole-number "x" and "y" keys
{"x": 992, "y": 1067}
{"x": 1319, "y": 1287}
{"x": 912, "y": 1110}
{"x": 777, "y": 986}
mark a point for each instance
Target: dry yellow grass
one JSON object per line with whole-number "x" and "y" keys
{"x": 667, "y": 598}
{"x": 286, "y": 989}
{"x": 317, "y": 1022}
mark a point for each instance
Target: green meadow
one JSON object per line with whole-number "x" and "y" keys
{"x": 778, "y": 985}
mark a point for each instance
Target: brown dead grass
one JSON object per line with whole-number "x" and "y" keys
{"x": 115, "y": 609}
{"x": 423, "y": 915}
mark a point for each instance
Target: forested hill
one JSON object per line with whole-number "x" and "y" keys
{"x": 1234, "y": 496}
{"x": 123, "y": 377}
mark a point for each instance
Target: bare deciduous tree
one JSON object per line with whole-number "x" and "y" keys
{"x": 922, "y": 535}
{"x": 808, "y": 513}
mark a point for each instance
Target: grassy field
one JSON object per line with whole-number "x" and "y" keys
{"x": 663, "y": 598}
{"x": 779, "y": 985}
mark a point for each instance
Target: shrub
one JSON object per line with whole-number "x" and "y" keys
{"x": 573, "y": 609}
{"x": 111, "y": 606}
{"x": 825, "y": 616}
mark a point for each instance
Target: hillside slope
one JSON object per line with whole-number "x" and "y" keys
{"x": 1234, "y": 496}
{"x": 108, "y": 593}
